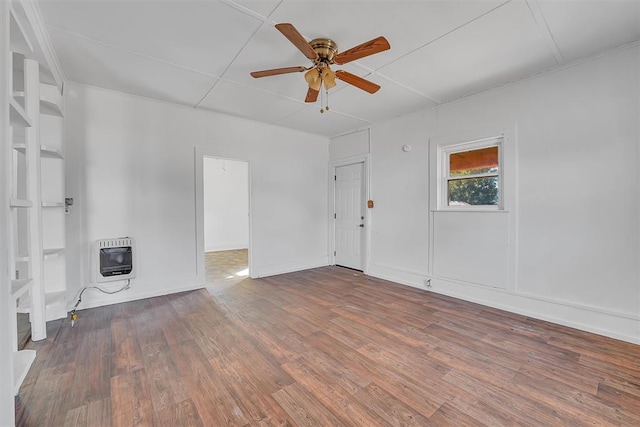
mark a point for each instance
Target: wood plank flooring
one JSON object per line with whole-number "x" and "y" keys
{"x": 324, "y": 347}
{"x": 226, "y": 267}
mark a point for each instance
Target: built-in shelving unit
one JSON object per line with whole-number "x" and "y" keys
{"x": 18, "y": 40}
{"x": 22, "y": 361}
{"x": 18, "y": 117}
{"x": 50, "y": 100}
{"x": 45, "y": 151}
{"x": 34, "y": 193}
{"x": 51, "y": 152}
{"x": 52, "y": 204}
{"x": 52, "y": 301}
{"x": 20, "y": 203}
{"x": 53, "y": 196}
{"x": 52, "y": 253}
{"x": 19, "y": 287}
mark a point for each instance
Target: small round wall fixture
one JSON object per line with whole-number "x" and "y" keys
{"x": 406, "y": 148}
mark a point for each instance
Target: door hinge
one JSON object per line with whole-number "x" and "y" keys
{"x": 335, "y": 177}
{"x": 335, "y": 216}
{"x": 334, "y": 253}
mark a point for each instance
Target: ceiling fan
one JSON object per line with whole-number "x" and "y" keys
{"x": 323, "y": 53}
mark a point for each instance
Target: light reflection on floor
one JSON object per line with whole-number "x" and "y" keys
{"x": 226, "y": 268}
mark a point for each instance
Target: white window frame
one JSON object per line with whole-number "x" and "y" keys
{"x": 444, "y": 151}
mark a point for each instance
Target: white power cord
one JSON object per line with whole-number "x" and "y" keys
{"x": 74, "y": 315}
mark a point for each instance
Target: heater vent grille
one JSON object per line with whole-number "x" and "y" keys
{"x": 115, "y": 243}
{"x": 115, "y": 259}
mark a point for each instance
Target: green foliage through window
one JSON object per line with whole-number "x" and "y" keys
{"x": 473, "y": 178}
{"x": 474, "y": 191}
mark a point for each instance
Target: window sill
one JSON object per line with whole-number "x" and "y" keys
{"x": 484, "y": 210}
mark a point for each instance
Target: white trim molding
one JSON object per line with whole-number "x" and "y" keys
{"x": 306, "y": 263}
{"x": 618, "y": 325}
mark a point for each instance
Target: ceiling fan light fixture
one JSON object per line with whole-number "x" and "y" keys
{"x": 328, "y": 78}
{"x": 323, "y": 52}
{"x": 313, "y": 79}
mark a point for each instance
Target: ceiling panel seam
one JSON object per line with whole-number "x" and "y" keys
{"x": 397, "y": 83}
{"x": 286, "y": 116}
{"x": 332, "y": 111}
{"x": 259, "y": 89}
{"x": 444, "y": 35}
{"x": 545, "y": 31}
{"x": 132, "y": 52}
{"x": 242, "y": 9}
{"x": 276, "y": 8}
{"x": 231, "y": 62}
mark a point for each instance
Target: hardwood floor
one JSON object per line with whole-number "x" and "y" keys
{"x": 324, "y": 347}
{"x": 226, "y": 267}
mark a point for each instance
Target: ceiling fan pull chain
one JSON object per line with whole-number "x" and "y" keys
{"x": 327, "y": 104}
{"x": 321, "y": 101}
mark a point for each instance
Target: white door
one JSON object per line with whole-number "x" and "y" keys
{"x": 349, "y": 215}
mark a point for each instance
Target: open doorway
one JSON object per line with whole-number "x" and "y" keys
{"x": 225, "y": 186}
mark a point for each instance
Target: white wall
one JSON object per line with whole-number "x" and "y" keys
{"x": 226, "y": 204}
{"x": 131, "y": 170}
{"x": 7, "y": 403}
{"x": 573, "y": 234}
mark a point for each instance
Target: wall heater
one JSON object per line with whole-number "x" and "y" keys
{"x": 115, "y": 259}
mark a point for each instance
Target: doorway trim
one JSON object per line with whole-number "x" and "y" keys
{"x": 199, "y": 154}
{"x": 366, "y": 236}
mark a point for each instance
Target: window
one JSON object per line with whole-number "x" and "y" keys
{"x": 471, "y": 175}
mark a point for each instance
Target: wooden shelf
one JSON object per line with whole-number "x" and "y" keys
{"x": 50, "y": 152}
{"x": 19, "y": 41}
{"x": 22, "y": 361}
{"x": 52, "y": 204}
{"x": 17, "y": 115}
{"x": 19, "y": 287}
{"x": 52, "y": 253}
{"x": 20, "y": 203}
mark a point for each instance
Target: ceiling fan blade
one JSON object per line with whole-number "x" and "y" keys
{"x": 290, "y": 32}
{"x": 312, "y": 95}
{"x": 357, "y": 81}
{"x": 276, "y": 71}
{"x": 371, "y": 47}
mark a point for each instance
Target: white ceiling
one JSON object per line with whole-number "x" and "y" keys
{"x": 200, "y": 53}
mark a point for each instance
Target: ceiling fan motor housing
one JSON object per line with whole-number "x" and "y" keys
{"x": 325, "y": 48}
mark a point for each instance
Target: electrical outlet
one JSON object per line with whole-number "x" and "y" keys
{"x": 427, "y": 283}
